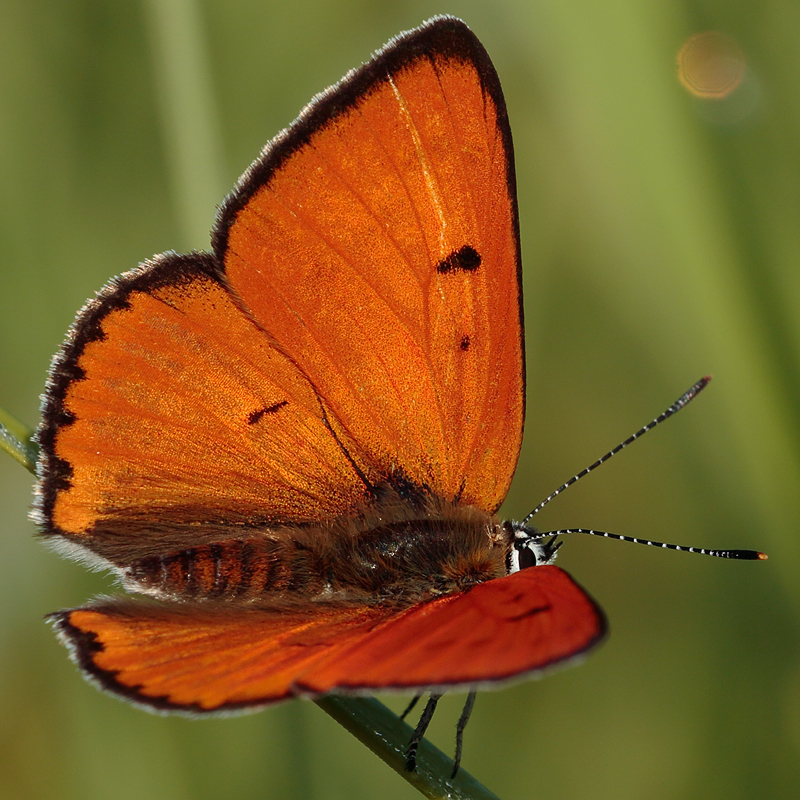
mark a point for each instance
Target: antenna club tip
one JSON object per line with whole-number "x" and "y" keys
{"x": 706, "y": 379}
{"x": 762, "y": 556}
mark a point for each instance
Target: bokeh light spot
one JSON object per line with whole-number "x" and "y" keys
{"x": 711, "y": 65}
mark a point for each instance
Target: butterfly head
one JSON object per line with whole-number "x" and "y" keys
{"x": 529, "y": 548}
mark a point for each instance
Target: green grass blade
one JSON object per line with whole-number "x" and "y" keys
{"x": 16, "y": 439}
{"x": 374, "y": 725}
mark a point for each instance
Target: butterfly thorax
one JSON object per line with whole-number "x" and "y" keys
{"x": 393, "y": 552}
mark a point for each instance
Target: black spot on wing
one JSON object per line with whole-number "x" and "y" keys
{"x": 465, "y": 342}
{"x": 466, "y": 259}
{"x": 437, "y": 41}
{"x": 255, "y": 416}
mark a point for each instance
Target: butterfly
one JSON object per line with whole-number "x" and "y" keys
{"x": 291, "y": 450}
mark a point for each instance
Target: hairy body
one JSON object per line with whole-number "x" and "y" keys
{"x": 395, "y": 552}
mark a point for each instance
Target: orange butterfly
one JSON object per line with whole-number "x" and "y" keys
{"x": 296, "y": 444}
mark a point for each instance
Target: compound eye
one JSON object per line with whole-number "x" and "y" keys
{"x": 526, "y": 557}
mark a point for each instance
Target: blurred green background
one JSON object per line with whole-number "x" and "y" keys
{"x": 661, "y": 241}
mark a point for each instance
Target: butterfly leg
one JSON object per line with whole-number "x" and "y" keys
{"x": 460, "y": 725}
{"x": 414, "y": 701}
{"x": 419, "y": 732}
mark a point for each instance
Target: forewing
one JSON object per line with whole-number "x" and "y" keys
{"x": 377, "y": 240}
{"x": 197, "y": 659}
{"x": 168, "y": 411}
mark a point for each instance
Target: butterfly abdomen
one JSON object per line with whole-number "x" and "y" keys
{"x": 232, "y": 569}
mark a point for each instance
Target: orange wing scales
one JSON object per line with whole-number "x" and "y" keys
{"x": 352, "y": 231}
{"x": 153, "y": 434}
{"x": 197, "y": 659}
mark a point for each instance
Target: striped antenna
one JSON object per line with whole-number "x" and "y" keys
{"x": 683, "y": 400}
{"x": 748, "y": 555}
{"x": 523, "y": 533}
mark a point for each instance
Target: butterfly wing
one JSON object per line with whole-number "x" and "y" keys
{"x": 170, "y": 414}
{"x": 359, "y": 324}
{"x": 206, "y": 659}
{"x": 377, "y": 240}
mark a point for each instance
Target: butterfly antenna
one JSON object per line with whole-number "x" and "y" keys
{"x": 419, "y": 731}
{"x": 682, "y": 401}
{"x": 747, "y": 555}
